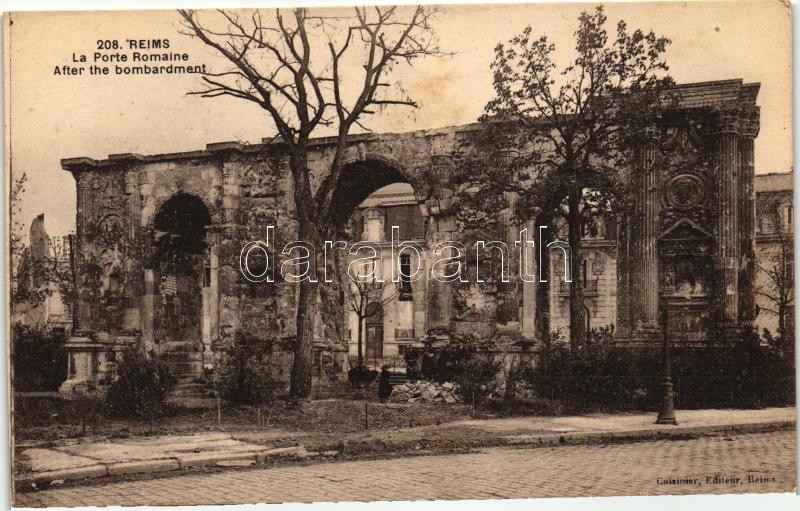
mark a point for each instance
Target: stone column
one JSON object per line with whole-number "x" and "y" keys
{"x": 230, "y": 198}
{"x": 749, "y": 126}
{"x": 145, "y": 192}
{"x": 134, "y": 283}
{"x": 148, "y": 309}
{"x": 84, "y": 297}
{"x": 727, "y": 256}
{"x": 229, "y": 245}
{"x": 623, "y": 277}
{"x": 529, "y": 288}
{"x": 434, "y": 312}
{"x": 645, "y": 282}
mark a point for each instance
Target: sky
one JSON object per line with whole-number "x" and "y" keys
{"x": 54, "y": 117}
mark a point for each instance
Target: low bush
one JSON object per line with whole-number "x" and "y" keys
{"x": 242, "y": 378}
{"x": 87, "y": 411}
{"x": 361, "y": 375}
{"x": 751, "y": 372}
{"x": 39, "y": 359}
{"x": 476, "y": 378}
{"x": 141, "y": 387}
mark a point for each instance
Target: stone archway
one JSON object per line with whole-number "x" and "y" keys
{"x": 360, "y": 178}
{"x": 181, "y": 280}
{"x": 373, "y": 195}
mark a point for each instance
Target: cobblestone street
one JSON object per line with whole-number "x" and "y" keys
{"x": 745, "y": 463}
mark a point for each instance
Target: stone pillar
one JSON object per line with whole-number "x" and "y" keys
{"x": 419, "y": 293}
{"x": 229, "y": 245}
{"x": 644, "y": 287}
{"x": 134, "y": 284}
{"x": 623, "y": 277}
{"x": 435, "y": 313}
{"x": 82, "y": 314}
{"x": 727, "y": 256}
{"x": 749, "y": 126}
{"x": 213, "y": 301}
{"x": 148, "y": 310}
{"x": 145, "y": 192}
{"x": 230, "y": 197}
{"x": 529, "y": 288}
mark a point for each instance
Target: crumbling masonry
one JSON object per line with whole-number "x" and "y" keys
{"x": 159, "y": 238}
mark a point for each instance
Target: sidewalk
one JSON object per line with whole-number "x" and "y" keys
{"x": 137, "y": 455}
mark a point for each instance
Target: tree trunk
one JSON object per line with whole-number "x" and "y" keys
{"x": 577, "y": 321}
{"x": 302, "y": 367}
{"x": 307, "y": 303}
{"x": 360, "y": 341}
{"x": 307, "y": 307}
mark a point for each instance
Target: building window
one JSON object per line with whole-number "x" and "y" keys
{"x": 369, "y": 271}
{"x": 405, "y": 277}
{"x": 408, "y": 219}
{"x": 584, "y": 273}
{"x": 402, "y": 349}
{"x": 374, "y": 230}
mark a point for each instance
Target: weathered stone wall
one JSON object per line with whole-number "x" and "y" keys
{"x": 688, "y": 178}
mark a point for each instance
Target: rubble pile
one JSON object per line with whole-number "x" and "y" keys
{"x": 426, "y": 392}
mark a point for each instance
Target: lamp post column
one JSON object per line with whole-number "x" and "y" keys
{"x": 666, "y": 414}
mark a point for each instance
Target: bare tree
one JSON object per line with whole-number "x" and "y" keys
{"x": 366, "y": 297}
{"x": 779, "y": 269}
{"x": 308, "y": 73}
{"x": 16, "y": 228}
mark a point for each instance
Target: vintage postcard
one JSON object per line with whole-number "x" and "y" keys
{"x": 400, "y": 253}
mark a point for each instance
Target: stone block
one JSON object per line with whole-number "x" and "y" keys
{"x": 71, "y": 474}
{"x": 208, "y": 459}
{"x": 296, "y": 451}
{"x": 144, "y": 467}
{"x": 237, "y": 463}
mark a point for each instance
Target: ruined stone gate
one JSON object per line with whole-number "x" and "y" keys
{"x": 159, "y": 240}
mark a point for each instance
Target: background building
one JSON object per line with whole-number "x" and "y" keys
{"x": 43, "y": 284}
{"x": 774, "y": 251}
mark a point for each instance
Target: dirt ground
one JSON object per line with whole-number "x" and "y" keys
{"x": 45, "y": 419}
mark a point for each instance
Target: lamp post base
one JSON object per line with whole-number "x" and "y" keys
{"x": 666, "y": 415}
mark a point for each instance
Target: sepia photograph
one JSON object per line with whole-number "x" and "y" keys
{"x": 478, "y": 252}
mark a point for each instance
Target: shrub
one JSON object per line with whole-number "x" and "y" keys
{"x": 32, "y": 411}
{"x": 39, "y": 359}
{"x": 601, "y": 376}
{"x": 361, "y": 375}
{"x": 141, "y": 387}
{"x": 597, "y": 376}
{"x": 242, "y": 378}
{"x": 478, "y": 372}
{"x": 445, "y": 363}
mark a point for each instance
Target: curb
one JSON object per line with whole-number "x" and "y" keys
{"x": 654, "y": 433}
{"x": 262, "y": 456}
{"x": 177, "y": 463}
{"x": 362, "y": 448}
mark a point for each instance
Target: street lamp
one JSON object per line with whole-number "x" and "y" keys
{"x": 666, "y": 414}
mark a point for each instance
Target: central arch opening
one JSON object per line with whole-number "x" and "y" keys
{"x": 182, "y": 274}
{"x": 373, "y": 196}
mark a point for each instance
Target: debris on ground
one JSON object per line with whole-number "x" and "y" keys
{"x": 426, "y": 392}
